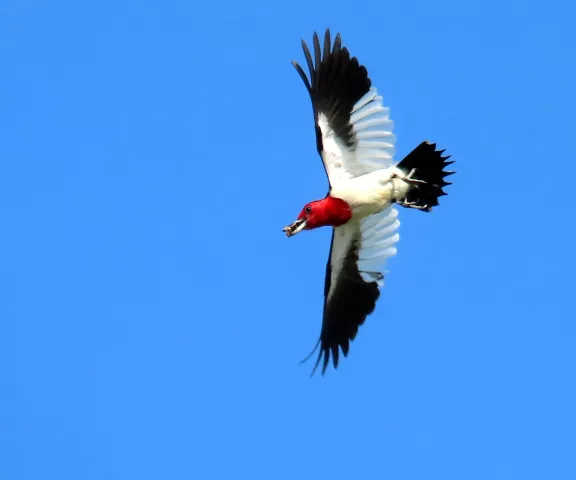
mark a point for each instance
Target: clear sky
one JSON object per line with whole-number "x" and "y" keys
{"x": 152, "y": 313}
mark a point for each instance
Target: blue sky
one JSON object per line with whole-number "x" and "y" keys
{"x": 152, "y": 312}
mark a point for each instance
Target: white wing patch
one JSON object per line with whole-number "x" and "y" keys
{"x": 378, "y": 243}
{"x": 373, "y": 147}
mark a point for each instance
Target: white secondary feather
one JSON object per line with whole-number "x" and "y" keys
{"x": 373, "y": 141}
{"x": 379, "y": 236}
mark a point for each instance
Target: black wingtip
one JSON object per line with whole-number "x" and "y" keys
{"x": 327, "y": 43}
{"x": 323, "y": 355}
{"x": 326, "y": 361}
{"x": 311, "y": 353}
{"x": 317, "y": 363}
{"x": 322, "y": 352}
{"x": 336, "y": 82}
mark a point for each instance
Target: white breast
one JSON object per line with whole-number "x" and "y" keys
{"x": 370, "y": 193}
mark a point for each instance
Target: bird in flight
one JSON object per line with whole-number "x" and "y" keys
{"x": 355, "y": 141}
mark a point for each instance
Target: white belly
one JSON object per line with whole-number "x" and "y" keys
{"x": 370, "y": 193}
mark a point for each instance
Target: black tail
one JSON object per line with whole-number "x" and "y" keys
{"x": 424, "y": 170}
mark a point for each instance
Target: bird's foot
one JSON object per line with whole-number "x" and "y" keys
{"x": 408, "y": 178}
{"x": 404, "y": 203}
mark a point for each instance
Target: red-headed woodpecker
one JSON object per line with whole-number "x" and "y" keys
{"x": 355, "y": 141}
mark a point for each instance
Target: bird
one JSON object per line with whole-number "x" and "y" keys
{"x": 355, "y": 140}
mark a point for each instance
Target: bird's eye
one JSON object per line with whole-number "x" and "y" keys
{"x": 308, "y": 209}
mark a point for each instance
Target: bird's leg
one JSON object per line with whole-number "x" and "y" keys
{"x": 408, "y": 178}
{"x": 404, "y": 203}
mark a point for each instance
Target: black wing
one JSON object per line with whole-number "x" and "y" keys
{"x": 348, "y": 299}
{"x": 337, "y": 82}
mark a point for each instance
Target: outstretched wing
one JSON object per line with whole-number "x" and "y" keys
{"x": 354, "y": 274}
{"x": 353, "y": 130}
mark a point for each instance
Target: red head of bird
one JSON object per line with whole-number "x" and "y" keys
{"x": 329, "y": 211}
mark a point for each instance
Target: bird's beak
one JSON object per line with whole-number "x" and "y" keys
{"x": 295, "y": 227}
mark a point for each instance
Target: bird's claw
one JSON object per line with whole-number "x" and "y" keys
{"x": 404, "y": 203}
{"x": 408, "y": 178}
